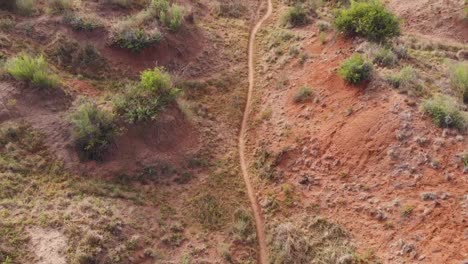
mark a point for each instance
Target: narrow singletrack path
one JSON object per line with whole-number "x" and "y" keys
{"x": 259, "y": 225}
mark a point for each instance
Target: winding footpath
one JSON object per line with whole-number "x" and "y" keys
{"x": 259, "y": 225}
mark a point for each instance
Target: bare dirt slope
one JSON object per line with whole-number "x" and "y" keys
{"x": 364, "y": 156}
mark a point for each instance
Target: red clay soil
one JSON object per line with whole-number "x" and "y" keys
{"x": 171, "y": 138}
{"x": 370, "y": 154}
{"x": 440, "y": 19}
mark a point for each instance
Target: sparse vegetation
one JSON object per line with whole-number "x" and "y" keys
{"x": 296, "y": 16}
{"x": 459, "y": 78}
{"x": 404, "y": 78}
{"x": 94, "y": 130}
{"x": 80, "y": 23}
{"x": 121, "y": 3}
{"x": 143, "y": 100}
{"x": 355, "y": 69}
{"x": 170, "y": 15}
{"x": 33, "y": 70}
{"x": 445, "y": 112}
{"x": 135, "y": 39}
{"x": 311, "y": 241}
{"x": 368, "y": 19}
{"x": 60, "y": 5}
{"x": 6, "y": 24}
{"x": 385, "y": 57}
{"x": 208, "y": 211}
{"x": 25, "y": 7}
{"x": 303, "y": 94}
{"x": 232, "y": 9}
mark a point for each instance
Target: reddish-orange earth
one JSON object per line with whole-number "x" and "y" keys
{"x": 369, "y": 154}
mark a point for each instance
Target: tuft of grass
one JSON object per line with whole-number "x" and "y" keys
{"x": 303, "y": 94}
{"x": 94, "y": 130}
{"x": 142, "y": 101}
{"x": 120, "y": 3}
{"x": 25, "y": 7}
{"x": 6, "y": 24}
{"x": 208, "y": 211}
{"x": 368, "y": 19}
{"x": 243, "y": 225}
{"x": 60, "y": 5}
{"x": 407, "y": 211}
{"x": 231, "y": 9}
{"x": 135, "y": 39}
{"x": 296, "y": 16}
{"x": 404, "y": 78}
{"x": 170, "y": 15}
{"x": 459, "y": 78}
{"x": 33, "y": 70}
{"x": 385, "y": 57}
{"x": 445, "y": 112}
{"x": 79, "y": 23}
{"x": 173, "y": 17}
{"x": 311, "y": 241}
{"x": 355, "y": 69}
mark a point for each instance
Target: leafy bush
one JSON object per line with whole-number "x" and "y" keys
{"x": 296, "y": 16}
{"x": 94, "y": 130}
{"x": 25, "y": 7}
{"x": 60, "y": 5}
{"x": 368, "y": 19}
{"x": 143, "y": 100}
{"x": 303, "y": 94}
{"x": 135, "y": 39}
{"x": 385, "y": 57}
{"x": 459, "y": 79}
{"x": 355, "y": 69}
{"x": 33, "y": 70}
{"x": 445, "y": 112}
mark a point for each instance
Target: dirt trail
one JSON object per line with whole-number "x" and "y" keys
{"x": 260, "y": 228}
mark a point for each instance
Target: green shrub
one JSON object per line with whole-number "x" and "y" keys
{"x": 355, "y": 69}
{"x": 79, "y": 23}
{"x": 445, "y": 112}
{"x": 135, "y": 39}
{"x": 296, "y": 16}
{"x": 459, "y": 79}
{"x": 172, "y": 18}
{"x": 25, "y": 7}
{"x": 159, "y": 6}
{"x": 385, "y": 57}
{"x": 142, "y": 101}
{"x": 368, "y": 19}
{"x": 33, "y": 70}
{"x": 303, "y": 94}
{"x": 60, "y": 5}
{"x": 94, "y": 129}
